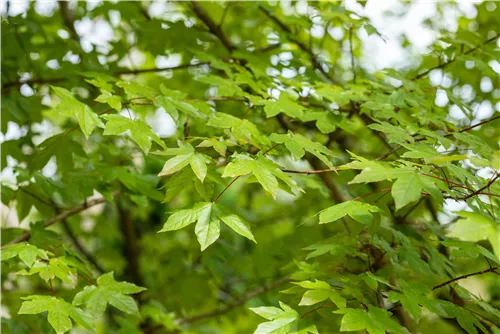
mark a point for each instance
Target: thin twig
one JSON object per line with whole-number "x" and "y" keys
{"x": 64, "y": 215}
{"x": 465, "y": 276}
{"x": 224, "y": 190}
{"x": 78, "y": 245}
{"x": 308, "y": 172}
{"x": 385, "y": 155}
{"x": 373, "y": 192}
{"x": 443, "y": 65}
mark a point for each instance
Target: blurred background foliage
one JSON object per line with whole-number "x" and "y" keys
{"x": 355, "y": 56}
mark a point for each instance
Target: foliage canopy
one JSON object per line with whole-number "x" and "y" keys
{"x": 299, "y": 191}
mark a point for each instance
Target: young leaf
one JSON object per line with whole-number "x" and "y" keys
{"x": 359, "y": 211}
{"x": 183, "y": 218}
{"x": 70, "y": 106}
{"x": 59, "y": 312}
{"x": 208, "y": 216}
{"x": 284, "y": 320}
{"x": 26, "y": 252}
{"x": 266, "y": 172}
{"x": 108, "y": 291}
{"x": 140, "y": 132}
{"x": 318, "y": 292}
{"x": 114, "y": 101}
{"x": 185, "y": 155}
{"x": 374, "y": 321}
{"x": 298, "y": 144}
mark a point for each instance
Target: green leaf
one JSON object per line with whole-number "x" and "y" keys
{"x": 281, "y": 321}
{"x": 266, "y": 172}
{"x": 70, "y": 106}
{"x": 377, "y": 174}
{"x": 476, "y": 227}
{"x": 406, "y": 189}
{"x": 219, "y": 146}
{"x": 26, "y": 252}
{"x": 108, "y": 291}
{"x": 208, "y": 216}
{"x": 237, "y": 224}
{"x": 208, "y": 227}
{"x": 187, "y": 156}
{"x": 375, "y": 321}
{"x": 284, "y": 104}
{"x": 412, "y": 297}
{"x": 55, "y": 267}
{"x": 134, "y": 89}
{"x": 59, "y": 312}
{"x": 140, "y": 132}
{"x": 468, "y": 249}
{"x": 243, "y": 130}
{"x": 113, "y": 101}
{"x": 183, "y": 218}
{"x": 318, "y": 292}
{"x": 298, "y": 144}
{"x": 359, "y": 211}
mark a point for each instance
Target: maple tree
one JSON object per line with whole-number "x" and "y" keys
{"x": 299, "y": 191}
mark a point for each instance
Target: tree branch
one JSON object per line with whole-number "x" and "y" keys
{"x": 64, "y": 215}
{"x": 130, "y": 244}
{"x": 492, "y": 269}
{"x": 214, "y": 28}
{"x": 117, "y": 73}
{"x": 351, "y": 48}
{"x": 302, "y": 46}
{"x": 68, "y": 19}
{"x": 443, "y": 65}
{"x": 382, "y": 157}
{"x": 308, "y": 172}
{"x": 78, "y": 245}
{"x": 231, "y": 306}
{"x": 316, "y": 165}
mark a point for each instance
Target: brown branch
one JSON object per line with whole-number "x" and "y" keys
{"x": 316, "y": 165}
{"x": 156, "y": 69}
{"x": 474, "y": 193}
{"x": 64, "y": 215}
{"x": 465, "y": 276}
{"x": 78, "y": 245}
{"x": 214, "y": 28}
{"x": 481, "y": 316}
{"x": 308, "y": 172}
{"x": 443, "y": 65}
{"x": 302, "y": 46}
{"x": 68, "y": 19}
{"x": 448, "y": 181}
{"x": 231, "y": 306}
{"x": 130, "y": 244}
{"x": 117, "y": 73}
{"x": 351, "y": 48}
{"x": 382, "y": 157}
